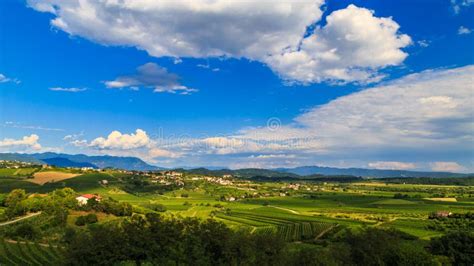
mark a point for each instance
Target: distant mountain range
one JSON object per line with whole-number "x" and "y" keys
{"x": 81, "y": 160}
{"x": 319, "y": 172}
{"x": 376, "y": 173}
{"x": 133, "y": 163}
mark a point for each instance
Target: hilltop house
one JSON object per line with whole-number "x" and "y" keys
{"x": 83, "y": 199}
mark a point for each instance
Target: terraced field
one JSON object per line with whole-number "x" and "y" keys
{"x": 22, "y": 253}
{"x": 289, "y": 226}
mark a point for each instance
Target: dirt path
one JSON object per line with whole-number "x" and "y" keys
{"x": 21, "y": 218}
{"x": 284, "y": 209}
{"x": 25, "y": 243}
{"x": 325, "y": 231}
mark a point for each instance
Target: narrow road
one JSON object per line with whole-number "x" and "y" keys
{"x": 25, "y": 243}
{"x": 21, "y": 218}
{"x": 325, "y": 231}
{"x": 284, "y": 209}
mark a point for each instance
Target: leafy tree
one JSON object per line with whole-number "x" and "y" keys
{"x": 15, "y": 203}
{"x": 457, "y": 246}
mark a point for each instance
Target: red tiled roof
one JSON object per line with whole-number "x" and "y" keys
{"x": 89, "y": 196}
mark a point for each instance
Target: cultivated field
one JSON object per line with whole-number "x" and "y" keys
{"x": 309, "y": 212}
{"x": 42, "y": 178}
{"x": 28, "y": 253}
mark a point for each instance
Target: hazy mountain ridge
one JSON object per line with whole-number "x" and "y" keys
{"x": 378, "y": 173}
{"x": 81, "y": 160}
{"x": 64, "y": 162}
{"x": 133, "y": 163}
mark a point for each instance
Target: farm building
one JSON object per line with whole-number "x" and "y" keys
{"x": 442, "y": 214}
{"x": 83, "y": 199}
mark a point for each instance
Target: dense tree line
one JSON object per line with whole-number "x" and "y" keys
{"x": 154, "y": 240}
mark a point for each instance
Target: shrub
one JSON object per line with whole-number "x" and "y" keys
{"x": 90, "y": 218}
{"x": 156, "y": 207}
{"x": 26, "y": 230}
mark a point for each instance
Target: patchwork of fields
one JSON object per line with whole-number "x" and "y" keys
{"x": 303, "y": 214}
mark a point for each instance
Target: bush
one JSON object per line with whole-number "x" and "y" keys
{"x": 400, "y": 196}
{"x": 90, "y": 218}
{"x": 26, "y": 231}
{"x": 156, "y": 207}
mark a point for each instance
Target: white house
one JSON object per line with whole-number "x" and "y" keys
{"x": 83, "y": 199}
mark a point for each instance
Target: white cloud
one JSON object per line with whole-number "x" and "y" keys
{"x": 458, "y": 5}
{"x": 5, "y": 79}
{"x": 162, "y": 153}
{"x": 413, "y": 112}
{"x": 73, "y": 136}
{"x": 424, "y": 115}
{"x": 23, "y": 126}
{"x": 207, "y": 66}
{"x": 261, "y": 26}
{"x": 151, "y": 75}
{"x": 117, "y": 140}
{"x": 447, "y": 167}
{"x": 352, "y": 47}
{"x": 392, "y": 165}
{"x": 423, "y": 43}
{"x": 137, "y": 144}
{"x": 463, "y": 30}
{"x": 67, "y": 89}
{"x": 25, "y": 143}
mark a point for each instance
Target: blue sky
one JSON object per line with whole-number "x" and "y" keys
{"x": 217, "y": 84}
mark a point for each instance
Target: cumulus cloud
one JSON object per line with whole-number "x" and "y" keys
{"x": 463, "y": 30}
{"x": 447, "y": 167}
{"x": 117, "y": 140}
{"x": 352, "y": 47}
{"x": 67, "y": 89}
{"x": 432, "y": 107}
{"x": 25, "y": 143}
{"x": 151, "y": 75}
{"x": 392, "y": 165}
{"x": 137, "y": 144}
